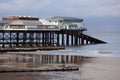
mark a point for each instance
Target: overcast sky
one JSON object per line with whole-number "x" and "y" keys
{"x": 93, "y": 12}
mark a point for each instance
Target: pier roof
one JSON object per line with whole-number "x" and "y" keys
{"x": 58, "y": 18}
{"x": 45, "y": 22}
{"x": 20, "y": 18}
{"x": 22, "y": 22}
{"x": 26, "y": 23}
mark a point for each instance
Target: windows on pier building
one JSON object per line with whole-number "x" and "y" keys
{"x": 70, "y": 23}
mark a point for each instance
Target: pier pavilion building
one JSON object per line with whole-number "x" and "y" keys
{"x": 68, "y": 23}
{"x": 26, "y": 23}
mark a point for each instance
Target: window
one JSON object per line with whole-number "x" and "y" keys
{"x": 32, "y": 27}
{"x": 73, "y": 26}
{"x": 17, "y": 27}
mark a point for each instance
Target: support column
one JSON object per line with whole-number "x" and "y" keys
{"x": 86, "y": 41}
{"x": 3, "y": 46}
{"x": 50, "y": 38}
{"x": 53, "y": 37}
{"x": 36, "y": 44}
{"x": 37, "y": 39}
{"x": 58, "y": 39}
{"x": 24, "y": 39}
{"x": 43, "y": 39}
{"x": 40, "y": 39}
{"x": 82, "y": 38}
{"x": 17, "y": 35}
{"x": 63, "y": 39}
{"x": 72, "y": 40}
{"x": 67, "y": 40}
{"x": 76, "y": 40}
{"x": 10, "y": 40}
{"x": 79, "y": 41}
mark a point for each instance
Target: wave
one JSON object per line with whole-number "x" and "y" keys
{"x": 88, "y": 53}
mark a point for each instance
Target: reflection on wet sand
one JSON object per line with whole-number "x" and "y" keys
{"x": 26, "y": 61}
{"x": 38, "y": 61}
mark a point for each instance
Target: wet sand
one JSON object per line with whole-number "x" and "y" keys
{"x": 99, "y": 68}
{"x": 103, "y": 68}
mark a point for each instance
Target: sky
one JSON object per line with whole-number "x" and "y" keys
{"x": 97, "y": 14}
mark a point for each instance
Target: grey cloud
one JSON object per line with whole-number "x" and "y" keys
{"x": 87, "y": 8}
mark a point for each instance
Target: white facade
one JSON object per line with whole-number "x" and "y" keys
{"x": 67, "y": 22}
{"x": 27, "y": 25}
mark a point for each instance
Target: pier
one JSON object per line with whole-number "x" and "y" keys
{"x": 32, "y": 34}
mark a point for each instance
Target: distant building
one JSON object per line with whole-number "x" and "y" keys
{"x": 26, "y": 23}
{"x": 67, "y": 22}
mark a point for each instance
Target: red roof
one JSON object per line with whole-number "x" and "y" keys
{"x": 19, "y": 18}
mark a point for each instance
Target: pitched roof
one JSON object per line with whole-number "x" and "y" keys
{"x": 66, "y": 18}
{"x": 22, "y": 22}
{"x": 45, "y": 22}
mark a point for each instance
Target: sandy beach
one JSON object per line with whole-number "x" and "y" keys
{"x": 97, "y": 68}
{"x": 102, "y": 68}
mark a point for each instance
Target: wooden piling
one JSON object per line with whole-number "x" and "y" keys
{"x": 63, "y": 40}
{"x": 67, "y": 40}
{"x": 72, "y": 40}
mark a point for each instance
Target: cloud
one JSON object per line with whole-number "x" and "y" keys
{"x": 23, "y": 7}
{"x": 88, "y": 8}
{"x": 93, "y": 7}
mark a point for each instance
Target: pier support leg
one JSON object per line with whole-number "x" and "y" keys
{"x": 67, "y": 39}
{"x": 17, "y": 39}
{"x": 43, "y": 39}
{"x": 62, "y": 39}
{"x": 50, "y": 38}
{"x": 24, "y": 39}
{"x": 76, "y": 40}
{"x": 10, "y": 40}
{"x": 3, "y": 40}
{"x": 82, "y": 38}
{"x": 37, "y": 39}
{"x": 58, "y": 39}
{"x": 72, "y": 40}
